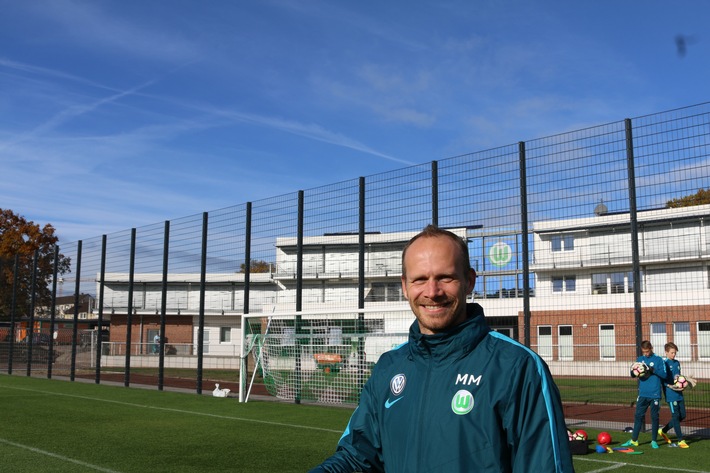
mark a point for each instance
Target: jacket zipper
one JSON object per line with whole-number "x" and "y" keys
{"x": 421, "y": 414}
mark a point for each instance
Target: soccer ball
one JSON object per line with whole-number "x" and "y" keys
{"x": 680, "y": 381}
{"x": 580, "y": 435}
{"x": 638, "y": 369}
{"x": 604, "y": 438}
{"x": 570, "y": 435}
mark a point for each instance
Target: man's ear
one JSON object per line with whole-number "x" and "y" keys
{"x": 471, "y": 280}
{"x": 404, "y": 287}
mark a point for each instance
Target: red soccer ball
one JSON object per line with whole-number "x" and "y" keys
{"x": 580, "y": 435}
{"x": 604, "y": 438}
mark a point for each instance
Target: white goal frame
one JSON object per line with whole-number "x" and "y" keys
{"x": 338, "y": 355}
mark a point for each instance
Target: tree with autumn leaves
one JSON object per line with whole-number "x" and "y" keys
{"x": 699, "y": 198}
{"x": 23, "y": 239}
{"x": 257, "y": 266}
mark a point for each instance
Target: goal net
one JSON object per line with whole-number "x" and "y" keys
{"x": 321, "y": 357}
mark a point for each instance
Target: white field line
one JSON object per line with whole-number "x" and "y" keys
{"x": 181, "y": 411}
{"x": 57, "y": 456}
{"x": 616, "y": 465}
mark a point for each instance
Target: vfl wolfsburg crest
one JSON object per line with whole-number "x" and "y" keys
{"x": 500, "y": 254}
{"x": 462, "y": 403}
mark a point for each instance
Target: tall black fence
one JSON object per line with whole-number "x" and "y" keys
{"x": 585, "y": 243}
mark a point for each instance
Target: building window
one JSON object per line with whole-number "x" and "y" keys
{"x": 374, "y": 326}
{"x": 607, "y": 342}
{"x": 385, "y": 292}
{"x": 704, "y": 340}
{"x": 614, "y": 283}
{"x": 617, "y": 283}
{"x": 599, "y": 283}
{"x": 564, "y": 283}
{"x": 225, "y": 334}
{"x": 557, "y": 284}
{"x": 205, "y": 339}
{"x": 544, "y": 341}
{"x": 566, "y": 343}
{"x": 562, "y": 243}
{"x": 658, "y": 337}
{"x": 681, "y": 337}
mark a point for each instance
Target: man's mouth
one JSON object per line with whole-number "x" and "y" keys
{"x": 435, "y": 307}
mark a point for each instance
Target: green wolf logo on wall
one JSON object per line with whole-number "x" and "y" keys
{"x": 500, "y": 254}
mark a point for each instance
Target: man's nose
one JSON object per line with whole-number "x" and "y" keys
{"x": 432, "y": 288}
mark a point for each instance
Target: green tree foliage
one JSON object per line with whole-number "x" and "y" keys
{"x": 257, "y": 266}
{"x": 699, "y": 198}
{"x": 22, "y": 238}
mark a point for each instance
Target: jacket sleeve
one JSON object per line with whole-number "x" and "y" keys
{"x": 535, "y": 423}
{"x": 662, "y": 371}
{"x": 359, "y": 447}
{"x": 669, "y": 373}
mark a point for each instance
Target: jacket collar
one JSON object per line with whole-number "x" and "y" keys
{"x": 453, "y": 343}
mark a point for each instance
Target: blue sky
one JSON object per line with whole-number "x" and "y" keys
{"x": 118, "y": 114}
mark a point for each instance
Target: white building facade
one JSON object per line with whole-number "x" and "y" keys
{"x": 583, "y": 305}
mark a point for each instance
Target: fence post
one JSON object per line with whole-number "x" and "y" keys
{"x": 75, "y": 328}
{"x": 435, "y": 193}
{"x": 636, "y": 267}
{"x": 130, "y": 309}
{"x": 299, "y": 296}
{"x": 243, "y": 362}
{"x": 13, "y": 306}
{"x": 53, "y": 310}
{"x": 361, "y": 286}
{"x": 163, "y": 305}
{"x": 247, "y": 258}
{"x": 524, "y": 243}
{"x": 100, "y": 327}
{"x": 203, "y": 284}
{"x": 31, "y": 328}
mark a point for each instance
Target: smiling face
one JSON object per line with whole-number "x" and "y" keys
{"x": 436, "y": 283}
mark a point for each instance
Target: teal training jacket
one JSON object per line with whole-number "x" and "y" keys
{"x": 470, "y": 400}
{"x": 651, "y": 385}
{"x": 672, "y": 370}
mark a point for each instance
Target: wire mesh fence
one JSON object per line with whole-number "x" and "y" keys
{"x": 585, "y": 243}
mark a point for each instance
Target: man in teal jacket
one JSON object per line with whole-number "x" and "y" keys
{"x": 457, "y": 397}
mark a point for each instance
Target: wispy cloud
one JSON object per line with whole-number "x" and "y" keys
{"x": 312, "y": 131}
{"x": 69, "y": 113}
{"x": 91, "y": 25}
{"x": 379, "y": 26}
{"x": 118, "y": 114}
{"x": 44, "y": 72}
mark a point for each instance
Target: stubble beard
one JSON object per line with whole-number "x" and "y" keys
{"x": 452, "y": 314}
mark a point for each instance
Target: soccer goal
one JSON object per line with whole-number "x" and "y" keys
{"x": 318, "y": 356}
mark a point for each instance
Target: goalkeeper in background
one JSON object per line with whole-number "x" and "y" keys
{"x": 650, "y": 383}
{"x": 674, "y": 397}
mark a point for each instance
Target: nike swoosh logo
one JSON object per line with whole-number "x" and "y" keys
{"x": 389, "y": 404}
